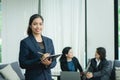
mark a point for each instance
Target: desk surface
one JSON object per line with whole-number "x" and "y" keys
{"x": 55, "y": 74}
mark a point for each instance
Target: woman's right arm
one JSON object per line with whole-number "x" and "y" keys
{"x": 24, "y": 60}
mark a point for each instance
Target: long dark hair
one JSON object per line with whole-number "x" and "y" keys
{"x": 102, "y": 52}
{"x": 34, "y": 16}
{"x": 64, "y": 52}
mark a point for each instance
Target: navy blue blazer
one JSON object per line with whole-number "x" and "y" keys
{"x": 29, "y": 58}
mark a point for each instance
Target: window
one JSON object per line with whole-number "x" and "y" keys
{"x": 0, "y": 28}
{"x": 117, "y": 28}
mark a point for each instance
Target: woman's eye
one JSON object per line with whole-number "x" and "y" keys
{"x": 41, "y": 23}
{"x": 34, "y": 23}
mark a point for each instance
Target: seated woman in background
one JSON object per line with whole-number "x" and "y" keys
{"x": 68, "y": 62}
{"x": 99, "y": 66}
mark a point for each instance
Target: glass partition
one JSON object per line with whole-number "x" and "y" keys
{"x": 119, "y": 28}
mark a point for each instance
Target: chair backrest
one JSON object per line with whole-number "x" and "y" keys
{"x": 111, "y": 72}
{"x": 69, "y": 75}
{"x": 117, "y": 69}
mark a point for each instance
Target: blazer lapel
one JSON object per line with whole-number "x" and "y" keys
{"x": 35, "y": 43}
{"x": 45, "y": 44}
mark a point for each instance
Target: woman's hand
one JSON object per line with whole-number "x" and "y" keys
{"x": 89, "y": 75}
{"x": 45, "y": 60}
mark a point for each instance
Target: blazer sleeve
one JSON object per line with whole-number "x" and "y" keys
{"x": 78, "y": 65}
{"x": 90, "y": 66}
{"x": 24, "y": 61}
{"x": 52, "y": 52}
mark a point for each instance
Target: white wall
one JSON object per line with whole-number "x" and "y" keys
{"x": 65, "y": 24}
{"x": 100, "y": 26}
{"x": 15, "y": 15}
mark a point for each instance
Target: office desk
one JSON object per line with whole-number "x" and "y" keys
{"x": 56, "y": 74}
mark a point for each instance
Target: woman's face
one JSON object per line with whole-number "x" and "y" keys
{"x": 97, "y": 56}
{"x": 70, "y": 54}
{"x": 37, "y": 26}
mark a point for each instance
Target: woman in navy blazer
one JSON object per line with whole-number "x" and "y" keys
{"x": 34, "y": 51}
